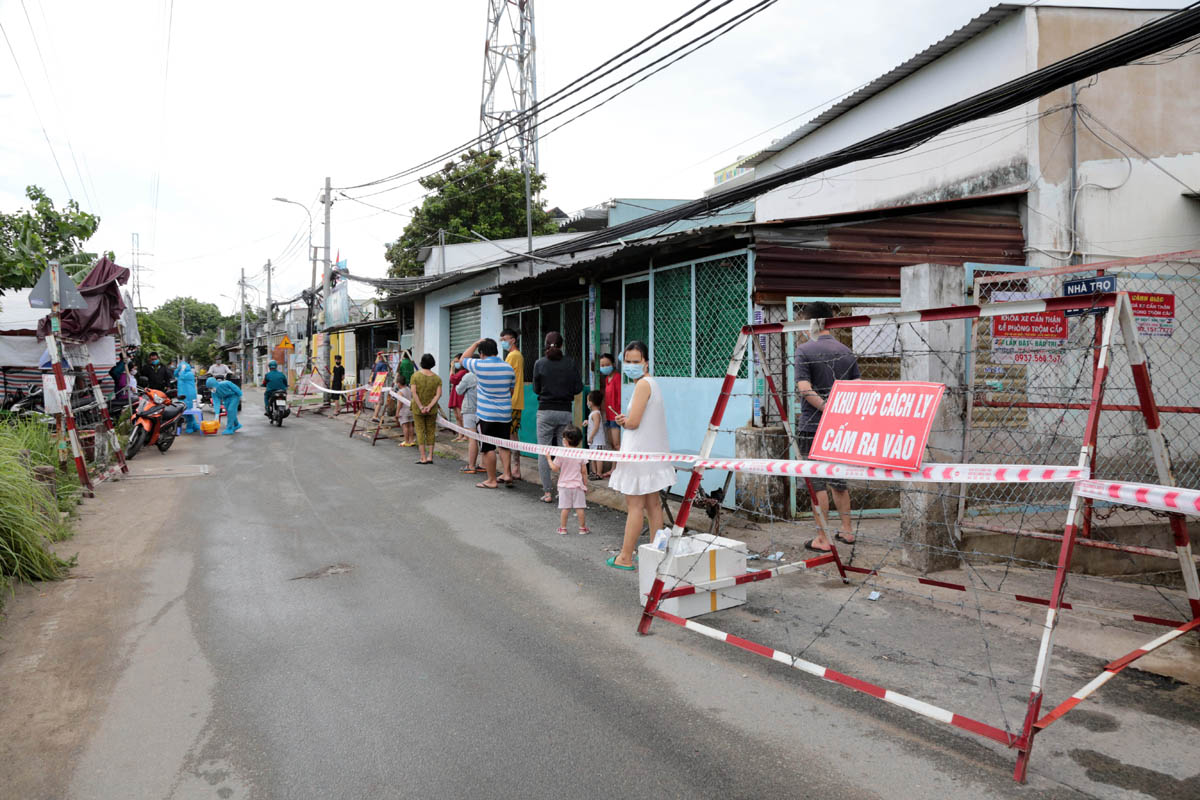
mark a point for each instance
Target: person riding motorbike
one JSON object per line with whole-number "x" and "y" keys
{"x": 273, "y": 381}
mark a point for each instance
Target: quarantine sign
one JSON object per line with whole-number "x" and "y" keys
{"x": 877, "y": 423}
{"x": 376, "y": 390}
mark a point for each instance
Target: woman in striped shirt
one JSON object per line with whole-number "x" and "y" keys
{"x": 493, "y": 407}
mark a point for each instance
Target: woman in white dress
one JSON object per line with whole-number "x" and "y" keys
{"x": 644, "y": 431}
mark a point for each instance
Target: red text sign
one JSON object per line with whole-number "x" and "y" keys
{"x": 1039, "y": 325}
{"x": 877, "y": 423}
{"x": 376, "y": 390}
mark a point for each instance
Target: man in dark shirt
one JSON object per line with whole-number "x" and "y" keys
{"x": 156, "y": 375}
{"x": 819, "y": 362}
{"x": 339, "y": 377}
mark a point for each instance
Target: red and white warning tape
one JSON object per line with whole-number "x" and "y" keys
{"x": 931, "y": 473}
{"x": 1160, "y": 498}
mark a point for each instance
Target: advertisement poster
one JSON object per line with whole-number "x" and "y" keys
{"x": 877, "y": 423}
{"x": 1028, "y": 338}
{"x": 1154, "y": 312}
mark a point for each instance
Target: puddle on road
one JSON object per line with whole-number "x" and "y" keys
{"x": 324, "y": 572}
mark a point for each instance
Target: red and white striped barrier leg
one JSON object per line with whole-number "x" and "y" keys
{"x": 1066, "y": 550}
{"x": 64, "y": 397}
{"x": 109, "y": 431}
{"x": 1111, "y": 670}
{"x": 706, "y": 446}
{"x": 1158, "y": 447}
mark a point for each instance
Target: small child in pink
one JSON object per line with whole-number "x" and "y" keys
{"x": 572, "y": 482}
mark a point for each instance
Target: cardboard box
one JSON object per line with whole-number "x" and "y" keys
{"x": 694, "y": 559}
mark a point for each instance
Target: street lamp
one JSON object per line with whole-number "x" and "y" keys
{"x": 313, "y": 280}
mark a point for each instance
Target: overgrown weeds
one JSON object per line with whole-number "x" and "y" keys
{"x": 30, "y": 518}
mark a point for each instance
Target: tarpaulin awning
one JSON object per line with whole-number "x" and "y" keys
{"x": 102, "y": 291}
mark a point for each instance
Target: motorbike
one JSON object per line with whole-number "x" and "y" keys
{"x": 155, "y": 421}
{"x": 24, "y": 401}
{"x": 277, "y": 406}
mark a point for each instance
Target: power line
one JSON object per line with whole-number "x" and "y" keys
{"x": 162, "y": 126}
{"x": 37, "y": 113}
{"x": 578, "y": 84}
{"x": 54, "y": 98}
{"x": 1151, "y": 38}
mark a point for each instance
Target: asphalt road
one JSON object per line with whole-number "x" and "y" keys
{"x": 327, "y": 619}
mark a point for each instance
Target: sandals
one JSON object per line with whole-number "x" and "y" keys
{"x": 469, "y": 470}
{"x": 548, "y": 498}
{"x": 584, "y": 531}
{"x": 612, "y": 562}
{"x": 809, "y": 546}
{"x": 482, "y": 485}
{"x": 561, "y": 531}
{"x": 844, "y": 540}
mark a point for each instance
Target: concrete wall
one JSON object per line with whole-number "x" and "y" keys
{"x": 975, "y": 159}
{"x": 1125, "y": 206}
{"x": 433, "y": 320}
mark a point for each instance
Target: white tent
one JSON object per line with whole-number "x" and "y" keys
{"x": 19, "y": 347}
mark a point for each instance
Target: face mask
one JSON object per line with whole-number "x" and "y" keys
{"x": 504, "y": 345}
{"x": 154, "y": 361}
{"x": 633, "y": 371}
{"x": 606, "y": 370}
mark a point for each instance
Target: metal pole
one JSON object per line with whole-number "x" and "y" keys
{"x": 270, "y": 311}
{"x": 323, "y": 367}
{"x": 242, "y": 343}
{"x": 1075, "y": 259}
{"x": 442, "y": 247}
{"x": 528, "y": 215}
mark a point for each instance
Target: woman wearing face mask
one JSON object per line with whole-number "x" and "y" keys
{"x": 645, "y": 431}
{"x": 456, "y": 400}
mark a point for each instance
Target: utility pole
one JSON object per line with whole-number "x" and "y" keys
{"x": 323, "y": 352}
{"x": 442, "y": 247}
{"x": 528, "y": 218}
{"x": 1074, "y": 254}
{"x": 270, "y": 311}
{"x": 137, "y": 274}
{"x": 242, "y": 343}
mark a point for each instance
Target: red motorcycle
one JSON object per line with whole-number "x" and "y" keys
{"x": 156, "y": 421}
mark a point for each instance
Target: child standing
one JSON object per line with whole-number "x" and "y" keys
{"x": 595, "y": 432}
{"x": 572, "y": 483}
{"x": 404, "y": 417}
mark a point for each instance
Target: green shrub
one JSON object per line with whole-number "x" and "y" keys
{"x": 29, "y": 515}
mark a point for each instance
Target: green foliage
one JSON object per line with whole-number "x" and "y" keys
{"x": 29, "y": 515}
{"x": 31, "y": 238}
{"x": 481, "y": 192}
{"x": 198, "y": 318}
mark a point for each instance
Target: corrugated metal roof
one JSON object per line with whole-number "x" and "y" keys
{"x": 925, "y": 57}
{"x": 864, "y": 258}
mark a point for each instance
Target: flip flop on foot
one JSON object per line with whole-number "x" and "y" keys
{"x": 484, "y": 485}
{"x": 612, "y": 562}
{"x": 809, "y": 546}
{"x": 844, "y": 540}
{"x": 468, "y": 470}
{"x": 547, "y": 498}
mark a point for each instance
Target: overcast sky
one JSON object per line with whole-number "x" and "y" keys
{"x": 264, "y": 98}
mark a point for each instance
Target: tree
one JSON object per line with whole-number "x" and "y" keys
{"x": 198, "y": 317}
{"x": 31, "y": 238}
{"x": 481, "y": 192}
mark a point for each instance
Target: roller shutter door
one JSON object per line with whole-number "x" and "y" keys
{"x": 464, "y": 327}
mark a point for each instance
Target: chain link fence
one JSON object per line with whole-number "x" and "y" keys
{"x": 1031, "y": 382}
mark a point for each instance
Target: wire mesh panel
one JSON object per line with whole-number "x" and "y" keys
{"x": 575, "y": 334}
{"x": 637, "y": 313}
{"x": 1031, "y": 383}
{"x": 721, "y": 307}
{"x": 673, "y": 322}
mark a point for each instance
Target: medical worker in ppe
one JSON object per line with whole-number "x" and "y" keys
{"x": 229, "y": 395}
{"x": 273, "y": 381}
{"x": 185, "y": 388}
{"x": 211, "y": 383}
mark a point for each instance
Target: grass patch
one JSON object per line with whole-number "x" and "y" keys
{"x": 29, "y": 514}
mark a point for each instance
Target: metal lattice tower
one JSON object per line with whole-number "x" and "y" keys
{"x": 510, "y": 82}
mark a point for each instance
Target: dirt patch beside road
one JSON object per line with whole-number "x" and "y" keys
{"x": 61, "y": 644}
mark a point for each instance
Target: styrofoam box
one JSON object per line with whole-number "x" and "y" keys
{"x": 694, "y": 559}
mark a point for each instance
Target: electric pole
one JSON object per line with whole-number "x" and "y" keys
{"x": 323, "y": 352}
{"x": 270, "y": 311}
{"x": 242, "y": 343}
